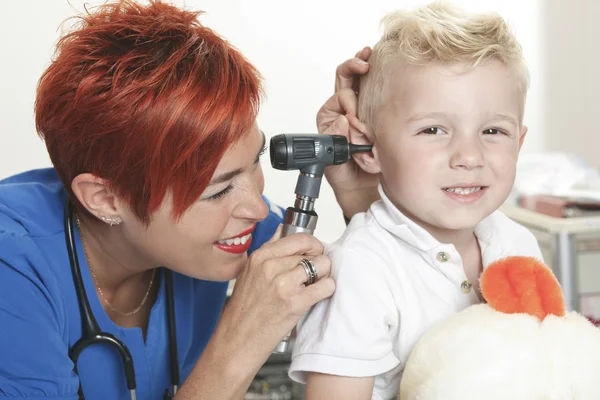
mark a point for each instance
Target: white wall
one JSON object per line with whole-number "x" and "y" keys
{"x": 571, "y": 60}
{"x": 296, "y": 46}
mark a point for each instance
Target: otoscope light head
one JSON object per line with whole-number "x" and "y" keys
{"x": 291, "y": 151}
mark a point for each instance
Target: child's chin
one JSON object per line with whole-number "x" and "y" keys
{"x": 468, "y": 219}
{"x": 457, "y": 224}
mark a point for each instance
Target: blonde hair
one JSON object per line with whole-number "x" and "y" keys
{"x": 437, "y": 33}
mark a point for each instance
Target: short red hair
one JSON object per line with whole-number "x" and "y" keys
{"x": 147, "y": 98}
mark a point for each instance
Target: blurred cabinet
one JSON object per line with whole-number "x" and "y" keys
{"x": 272, "y": 381}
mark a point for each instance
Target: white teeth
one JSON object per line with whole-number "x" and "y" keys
{"x": 236, "y": 241}
{"x": 464, "y": 191}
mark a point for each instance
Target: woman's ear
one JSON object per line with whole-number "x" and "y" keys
{"x": 361, "y": 134}
{"x": 94, "y": 195}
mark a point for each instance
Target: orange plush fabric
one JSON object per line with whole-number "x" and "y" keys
{"x": 522, "y": 285}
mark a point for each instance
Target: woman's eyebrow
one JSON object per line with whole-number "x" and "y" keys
{"x": 224, "y": 177}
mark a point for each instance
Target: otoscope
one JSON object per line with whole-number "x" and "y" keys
{"x": 310, "y": 154}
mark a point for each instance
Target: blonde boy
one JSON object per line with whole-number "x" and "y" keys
{"x": 443, "y": 106}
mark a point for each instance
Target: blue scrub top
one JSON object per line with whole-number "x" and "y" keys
{"x": 39, "y": 313}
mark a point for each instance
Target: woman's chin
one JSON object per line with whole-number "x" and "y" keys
{"x": 228, "y": 270}
{"x": 233, "y": 270}
{"x": 216, "y": 270}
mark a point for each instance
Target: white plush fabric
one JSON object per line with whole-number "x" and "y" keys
{"x": 483, "y": 354}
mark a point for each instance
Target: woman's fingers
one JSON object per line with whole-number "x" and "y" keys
{"x": 322, "y": 265}
{"x": 277, "y": 235}
{"x": 293, "y": 291}
{"x": 347, "y": 73}
{"x": 290, "y": 271}
{"x": 364, "y": 53}
{"x": 318, "y": 291}
{"x": 340, "y": 126}
{"x": 296, "y": 244}
{"x": 343, "y": 102}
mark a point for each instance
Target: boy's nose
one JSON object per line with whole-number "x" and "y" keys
{"x": 467, "y": 154}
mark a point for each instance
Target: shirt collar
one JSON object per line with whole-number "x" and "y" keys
{"x": 394, "y": 221}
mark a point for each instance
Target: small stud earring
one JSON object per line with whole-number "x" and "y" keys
{"x": 112, "y": 220}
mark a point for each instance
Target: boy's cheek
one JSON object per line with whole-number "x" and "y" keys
{"x": 503, "y": 160}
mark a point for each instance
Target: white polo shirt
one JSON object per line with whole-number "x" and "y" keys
{"x": 393, "y": 281}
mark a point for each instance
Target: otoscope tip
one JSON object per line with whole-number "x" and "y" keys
{"x": 360, "y": 148}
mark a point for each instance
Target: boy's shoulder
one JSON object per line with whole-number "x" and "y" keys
{"x": 508, "y": 236}
{"x": 365, "y": 236}
{"x": 363, "y": 226}
{"x": 501, "y": 225}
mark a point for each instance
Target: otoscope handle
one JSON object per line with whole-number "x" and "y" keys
{"x": 299, "y": 221}
{"x": 284, "y": 345}
{"x": 295, "y": 221}
{"x": 287, "y": 230}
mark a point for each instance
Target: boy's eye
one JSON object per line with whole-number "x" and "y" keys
{"x": 433, "y": 131}
{"x": 221, "y": 194}
{"x": 492, "y": 131}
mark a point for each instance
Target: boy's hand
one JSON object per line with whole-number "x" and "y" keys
{"x": 355, "y": 190}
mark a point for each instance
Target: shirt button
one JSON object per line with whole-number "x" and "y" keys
{"x": 466, "y": 287}
{"x": 442, "y": 256}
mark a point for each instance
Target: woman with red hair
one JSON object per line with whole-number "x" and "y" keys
{"x": 150, "y": 122}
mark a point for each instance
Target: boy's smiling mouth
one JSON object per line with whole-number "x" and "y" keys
{"x": 465, "y": 193}
{"x": 464, "y": 190}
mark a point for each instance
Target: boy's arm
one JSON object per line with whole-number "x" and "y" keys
{"x": 350, "y": 335}
{"x": 327, "y": 387}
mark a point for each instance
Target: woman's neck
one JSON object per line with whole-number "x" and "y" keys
{"x": 123, "y": 276}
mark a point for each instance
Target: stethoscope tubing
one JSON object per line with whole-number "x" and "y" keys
{"x": 91, "y": 333}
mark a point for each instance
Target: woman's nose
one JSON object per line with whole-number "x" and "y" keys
{"x": 256, "y": 208}
{"x": 252, "y": 206}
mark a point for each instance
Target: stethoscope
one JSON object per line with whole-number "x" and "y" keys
{"x": 91, "y": 333}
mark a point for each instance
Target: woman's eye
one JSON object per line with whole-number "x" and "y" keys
{"x": 433, "y": 131}
{"x": 221, "y": 194}
{"x": 262, "y": 151}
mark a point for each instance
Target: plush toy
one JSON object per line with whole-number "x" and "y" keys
{"x": 521, "y": 345}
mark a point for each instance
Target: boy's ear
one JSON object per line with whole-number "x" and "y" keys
{"x": 361, "y": 134}
{"x": 522, "y": 137}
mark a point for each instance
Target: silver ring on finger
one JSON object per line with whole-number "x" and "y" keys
{"x": 310, "y": 270}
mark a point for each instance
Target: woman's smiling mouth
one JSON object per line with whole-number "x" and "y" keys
{"x": 236, "y": 244}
